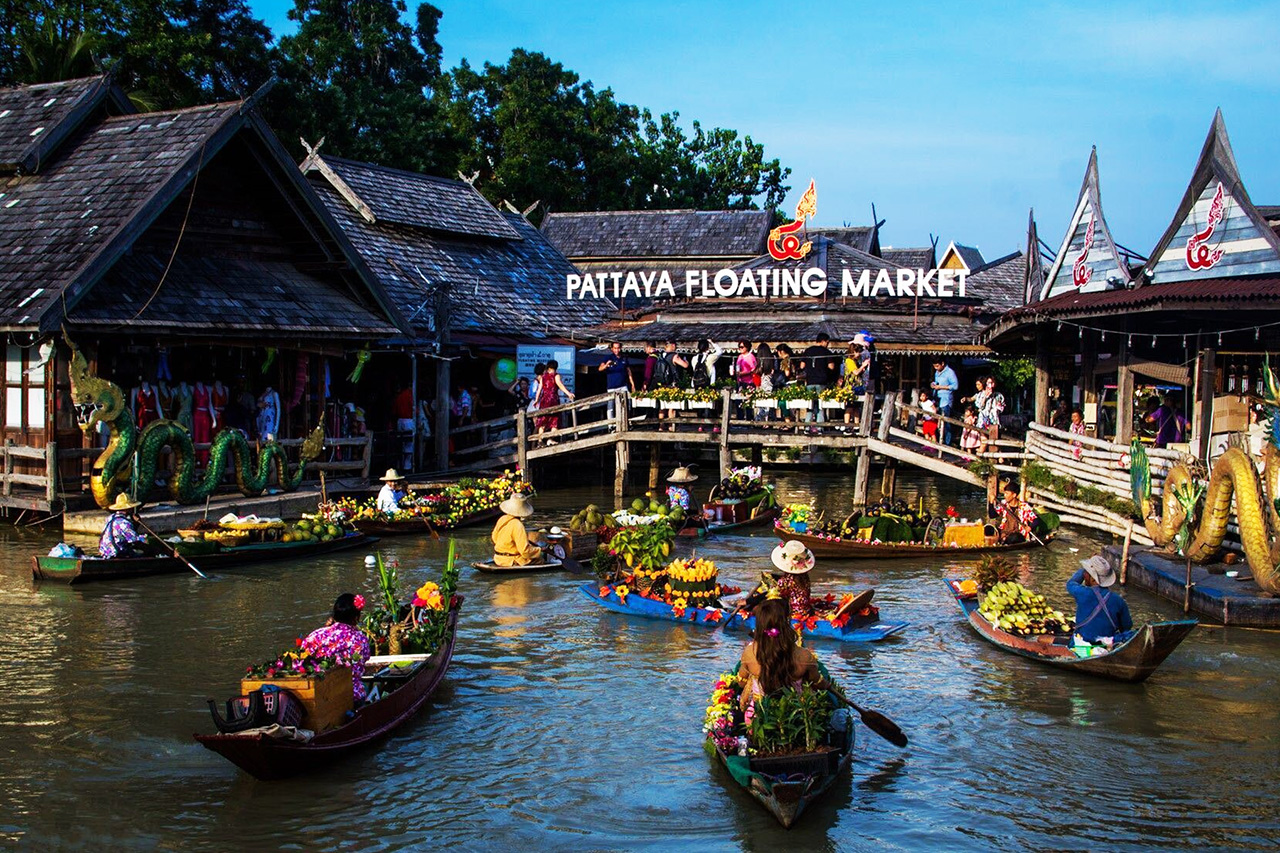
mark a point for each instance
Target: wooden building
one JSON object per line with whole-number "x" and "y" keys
{"x": 182, "y": 243}
{"x": 1195, "y": 319}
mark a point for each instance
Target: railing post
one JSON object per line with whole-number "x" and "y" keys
{"x": 51, "y": 472}
{"x": 8, "y": 468}
{"x": 621, "y": 448}
{"x": 522, "y": 444}
{"x": 368, "y": 455}
{"x": 726, "y": 458}
{"x": 887, "y": 415}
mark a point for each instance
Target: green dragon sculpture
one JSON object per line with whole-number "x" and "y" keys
{"x": 100, "y": 401}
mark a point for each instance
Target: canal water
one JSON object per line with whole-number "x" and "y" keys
{"x": 564, "y": 727}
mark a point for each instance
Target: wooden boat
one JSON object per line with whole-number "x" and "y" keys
{"x": 1132, "y": 660}
{"x": 850, "y": 549}
{"x": 85, "y": 569}
{"x": 854, "y": 631}
{"x": 551, "y": 565}
{"x": 271, "y": 758}
{"x": 418, "y": 526}
{"x": 787, "y": 785}
{"x": 758, "y": 510}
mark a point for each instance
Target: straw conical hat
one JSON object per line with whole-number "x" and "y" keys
{"x": 392, "y": 475}
{"x": 682, "y": 475}
{"x": 517, "y": 505}
{"x": 123, "y": 502}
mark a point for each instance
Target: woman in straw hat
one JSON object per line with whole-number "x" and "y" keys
{"x": 680, "y": 492}
{"x": 120, "y": 536}
{"x": 511, "y": 542}
{"x": 392, "y": 492}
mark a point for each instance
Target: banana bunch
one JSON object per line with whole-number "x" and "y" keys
{"x": 1012, "y": 607}
{"x": 590, "y": 519}
{"x": 692, "y": 571}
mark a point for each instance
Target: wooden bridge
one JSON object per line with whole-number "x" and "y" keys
{"x": 587, "y": 424}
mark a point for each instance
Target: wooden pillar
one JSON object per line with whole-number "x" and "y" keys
{"x": 522, "y": 445}
{"x": 655, "y": 458}
{"x": 757, "y": 455}
{"x": 726, "y": 458}
{"x": 1205, "y": 385}
{"x": 862, "y": 473}
{"x": 1124, "y": 397}
{"x": 621, "y": 450}
{"x": 413, "y": 392}
{"x": 1088, "y": 370}
{"x": 442, "y": 412}
{"x": 1043, "y": 376}
{"x": 889, "y": 480}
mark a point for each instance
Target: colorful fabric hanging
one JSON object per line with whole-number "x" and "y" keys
{"x": 362, "y": 358}
{"x": 300, "y": 379}
{"x": 271, "y": 359}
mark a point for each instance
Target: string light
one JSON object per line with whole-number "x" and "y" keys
{"x": 1219, "y": 338}
{"x": 1129, "y": 341}
{"x": 1184, "y": 341}
{"x": 1153, "y": 340}
{"x": 1059, "y": 325}
{"x": 1082, "y": 333}
{"x": 1256, "y": 333}
{"x": 1104, "y": 336}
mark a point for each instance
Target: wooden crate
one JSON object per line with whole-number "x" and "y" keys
{"x": 326, "y": 700}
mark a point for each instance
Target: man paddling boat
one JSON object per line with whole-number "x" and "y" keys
{"x": 1101, "y": 614}
{"x": 121, "y": 537}
{"x": 1017, "y": 520}
{"x": 391, "y": 493}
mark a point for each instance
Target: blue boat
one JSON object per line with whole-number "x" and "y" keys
{"x": 855, "y": 631}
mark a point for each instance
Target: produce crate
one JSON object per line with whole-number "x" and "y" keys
{"x": 326, "y": 699}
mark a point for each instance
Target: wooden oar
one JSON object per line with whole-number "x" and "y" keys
{"x": 427, "y": 522}
{"x": 878, "y": 723}
{"x": 172, "y": 550}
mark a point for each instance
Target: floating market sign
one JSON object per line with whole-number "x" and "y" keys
{"x": 766, "y": 284}
{"x": 528, "y": 356}
{"x": 784, "y": 244}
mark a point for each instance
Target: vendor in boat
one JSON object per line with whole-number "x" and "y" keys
{"x": 1101, "y": 614}
{"x": 342, "y": 638}
{"x": 773, "y": 659}
{"x": 512, "y": 544}
{"x": 391, "y": 493}
{"x": 121, "y": 537}
{"x": 794, "y": 561}
{"x": 680, "y": 491}
{"x": 1017, "y": 520}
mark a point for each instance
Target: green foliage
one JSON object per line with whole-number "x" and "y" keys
{"x": 1013, "y": 374}
{"x": 983, "y": 468}
{"x": 790, "y": 720}
{"x": 1042, "y": 477}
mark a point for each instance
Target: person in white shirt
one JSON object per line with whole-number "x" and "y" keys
{"x": 392, "y": 492}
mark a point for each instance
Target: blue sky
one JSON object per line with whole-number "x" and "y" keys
{"x": 952, "y": 121}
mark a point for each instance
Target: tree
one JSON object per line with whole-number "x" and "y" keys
{"x": 358, "y": 76}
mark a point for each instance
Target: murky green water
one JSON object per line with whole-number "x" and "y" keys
{"x": 563, "y": 727}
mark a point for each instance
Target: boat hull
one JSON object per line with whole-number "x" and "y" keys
{"x": 495, "y": 569}
{"x": 635, "y": 605}
{"x": 77, "y": 571}
{"x": 418, "y": 526}
{"x": 1133, "y": 661}
{"x": 270, "y": 759}
{"x": 733, "y": 516}
{"x": 849, "y": 550}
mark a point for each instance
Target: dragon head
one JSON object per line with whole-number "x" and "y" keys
{"x": 1271, "y": 403}
{"x": 95, "y": 400}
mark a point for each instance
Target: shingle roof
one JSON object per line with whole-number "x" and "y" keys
{"x": 34, "y": 119}
{"x": 70, "y": 216}
{"x": 972, "y": 257}
{"x": 831, "y": 256}
{"x": 860, "y": 237}
{"x": 658, "y": 233}
{"x": 915, "y": 258}
{"x": 497, "y": 286}
{"x": 1001, "y": 283}
{"x": 422, "y": 201}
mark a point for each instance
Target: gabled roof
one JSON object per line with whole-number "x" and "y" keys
{"x": 495, "y": 286}
{"x": 1088, "y": 259}
{"x": 35, "y": 119}
{"x": 1033, "y": 278}
{"x": 421, "y": 201}
{"x": 659, "y": 233}
{"x": 1001, "y": 283}
{"x": 916, "y": 258}
{"x": 64, "y": 228}
{"x": 968, "y": 256}
{"x": 1216, "y": 231}
{"x": 861, "y": 237}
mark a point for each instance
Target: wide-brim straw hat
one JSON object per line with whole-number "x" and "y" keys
{"x": 793, "y": 558}
{"x": 123, "y": 502}
{"x": 392, "y": 476}
{"x": 517, "y": 505}
{"x": 1100, "y": 570}
{"x": 682, "y": 475}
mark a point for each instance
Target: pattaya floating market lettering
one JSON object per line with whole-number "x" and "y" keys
{"x": 761, "y": 284}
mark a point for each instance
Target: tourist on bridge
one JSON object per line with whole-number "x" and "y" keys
{"x": 1170, "y": 424}
{"x": 392, "y": 492}
{"x": 945, "y": 384}
{"x": 819, "y": 366}
{"x": 702, "y": 367}
{"x": 1101, "y": 614}
{"x": 342, "y": 638}
{"x": 120, "y": 536}
{"x": 512, "y": 544}
{"x": 617, "y": 376}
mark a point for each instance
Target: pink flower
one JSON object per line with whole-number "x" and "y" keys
{"x": 359, "y": 602}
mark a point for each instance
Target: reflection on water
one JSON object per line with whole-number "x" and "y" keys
{"x": 564, "y": 727}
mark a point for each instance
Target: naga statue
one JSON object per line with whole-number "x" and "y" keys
{"x": 1234, "y": 477}
{"x": 100, "y": 401}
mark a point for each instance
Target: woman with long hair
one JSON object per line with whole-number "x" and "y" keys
{"x": 549, "y": 396}
{"x": 773, "y": 659}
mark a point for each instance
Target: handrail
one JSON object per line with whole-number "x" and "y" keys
{"x": 1090, "y": 441}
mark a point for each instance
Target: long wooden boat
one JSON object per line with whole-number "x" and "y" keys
{"x": 418, "y": 526}
{"x": 850, "y": 549}
{"x": 271, "y": 758}
{"x": 856, "y": 630}
{"x": 728, "y": 516}
{"x": 1132, "y": 660}
{"x": 786, "y": 786}
{"x": 85, "y": 569}
{"x": 550, "y": 565}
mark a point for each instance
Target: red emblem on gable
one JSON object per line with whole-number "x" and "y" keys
{"x": 783, "y": 242}
{"x": 1199, "y": 255}
{"x": 1080, "y": 274}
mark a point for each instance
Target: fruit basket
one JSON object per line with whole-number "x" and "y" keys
{"x": 228, "y": 538}
{"x": 253, "y": 525}
{"x": 191, "y": 534}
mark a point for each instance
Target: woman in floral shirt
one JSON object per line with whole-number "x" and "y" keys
{"x": 340, "y": 638}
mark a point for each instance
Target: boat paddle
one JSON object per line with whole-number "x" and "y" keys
{"x": 878, "y": 723}
{"x": 427, "y": 522}
{"x": 172, "y": 550}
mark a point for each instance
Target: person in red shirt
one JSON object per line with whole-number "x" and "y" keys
{"x": 402, "y": 408}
